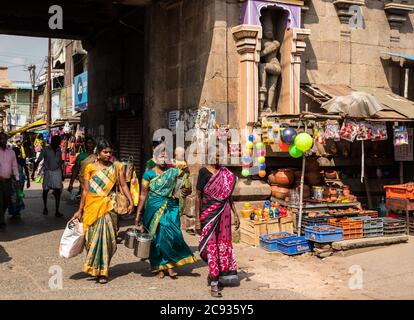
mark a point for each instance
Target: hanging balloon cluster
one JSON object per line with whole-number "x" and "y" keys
{"x": 294, "y": 143}
{"x": 247, "y": 157}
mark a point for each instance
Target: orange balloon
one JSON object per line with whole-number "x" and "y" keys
{"x": 283, "y": 146}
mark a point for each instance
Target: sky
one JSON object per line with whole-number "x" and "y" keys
{"x": 19, "y": 52}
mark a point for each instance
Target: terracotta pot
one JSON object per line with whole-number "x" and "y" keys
{"x": 330, "y": 174}
{"x": 272, "y": 179}
{"x": 313, "y": 178}
{"x": 346, "y": 191}
{"x": 312, "y": 164}
{"x": 284, "y": 178}
{"x": 280, "y": 192}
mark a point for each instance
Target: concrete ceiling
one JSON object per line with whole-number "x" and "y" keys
{"x": 81, "y": 18}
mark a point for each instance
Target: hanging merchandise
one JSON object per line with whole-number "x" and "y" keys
{"x": 379, "y": 131}
{"x": 319, "y": 135}
{"x": 276, "y": 132}
{"x": 332, "y": 130}
{"x": 364, "y": 131}
{"x": 400, "y": 136}
{"x": 349, "y": 130}
{"x": 288, "y": 135}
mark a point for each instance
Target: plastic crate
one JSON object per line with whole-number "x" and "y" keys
{"x": 346, "y": 223}
{"x": 313, "y": 221}
{"x": 292, "y": 245}
{"x": 390, "y": 223}
{"x": 269, "y": 241}
{"x": 370, "y": 213}
{"x": 400, "y": 191}
{"x": 323, "y": 233}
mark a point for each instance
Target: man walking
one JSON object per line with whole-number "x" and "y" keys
{"x": 8, "y": 170}
{"x": 53, "y": 179}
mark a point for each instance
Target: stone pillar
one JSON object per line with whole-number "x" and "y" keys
{"x": 248, "y": 43}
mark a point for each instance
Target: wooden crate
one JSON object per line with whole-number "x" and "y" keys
{"x": 250, "y": 231}
{"x": 286, "y": 224}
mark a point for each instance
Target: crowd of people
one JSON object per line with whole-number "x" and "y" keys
{"x": 164, "y": 187}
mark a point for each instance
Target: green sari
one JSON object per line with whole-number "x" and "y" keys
{"x": 162, "y": 220}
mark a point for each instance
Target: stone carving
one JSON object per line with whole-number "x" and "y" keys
{"x": 269, "y": 67}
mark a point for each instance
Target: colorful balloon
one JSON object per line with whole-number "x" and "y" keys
{"x": 246, "y": 165}
{"x": 247, "y": 159}
{"x": 261, "y": 159}
{"x": 262, "y": 166}
{"x": 262, "y": 173}
{"x": 259, "y": 145}
{"x": 294, "y": 152}
{"x": 303, "y": 142}
{"x": 251, "y": 138}
{"x": 245, "y": 172}
{"x": 288, "y": 135}
{"x": 261, "y": 153}
{"x": 249, "y": 145}
{"x": 283, "y": 146}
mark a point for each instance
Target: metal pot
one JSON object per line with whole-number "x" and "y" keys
{"x": 130, "y": 238}
{"x": 142, "y": 245}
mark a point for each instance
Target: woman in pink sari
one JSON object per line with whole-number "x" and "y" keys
{"x": 214, "y": 190}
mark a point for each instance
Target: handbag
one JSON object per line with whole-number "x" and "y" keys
{"x": 121, "y": 201}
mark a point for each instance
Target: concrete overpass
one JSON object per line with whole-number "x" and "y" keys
{"x": 81, "y": 18}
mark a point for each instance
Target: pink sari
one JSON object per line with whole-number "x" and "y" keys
{"x": 216, "y": 242}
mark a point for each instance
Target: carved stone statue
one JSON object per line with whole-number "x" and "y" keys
{"x": 269, "y": 67}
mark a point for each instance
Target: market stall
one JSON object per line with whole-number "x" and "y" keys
{"x": 308, "y": 185}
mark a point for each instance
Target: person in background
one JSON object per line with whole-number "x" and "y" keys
{"x": 96, "y": 210}
{"x": 215, "y": 187}
{"x": 161, "y": 217}
{"x": 53, "y": 179}
{"x": 8, "y": 170}
{"x": 82, "y": 160}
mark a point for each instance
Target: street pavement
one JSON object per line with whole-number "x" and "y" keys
{"x": 29, "y": 259}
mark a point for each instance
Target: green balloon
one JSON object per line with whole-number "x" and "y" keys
{"x": 245, "y": 172}
{"x": 303, "y": 142}
{"x": 295, "y": 152}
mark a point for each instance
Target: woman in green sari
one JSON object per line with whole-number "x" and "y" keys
{"x": 97, "y": 210}
{"x": 160, "y": 195}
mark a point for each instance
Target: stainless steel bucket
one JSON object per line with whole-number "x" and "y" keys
{"x": 142, "y": 245}
{"x": 130, "y": 238}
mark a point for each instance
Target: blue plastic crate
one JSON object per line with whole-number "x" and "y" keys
{"x": 323, "y": 233}
{"x": 289, "y": 245}
{"x": 269, "y": 244}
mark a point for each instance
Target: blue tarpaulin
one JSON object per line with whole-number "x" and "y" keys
{"x": 404, "y": 56}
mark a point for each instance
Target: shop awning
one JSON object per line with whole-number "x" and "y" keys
{"x": 404, "y": 56}
{"x": 33, "y": 125}
{"x": 395, "y": 107}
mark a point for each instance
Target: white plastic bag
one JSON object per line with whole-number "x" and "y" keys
{"x": 72, "y": 241}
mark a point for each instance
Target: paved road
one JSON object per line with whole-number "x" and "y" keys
{"x": 29, "y": 248}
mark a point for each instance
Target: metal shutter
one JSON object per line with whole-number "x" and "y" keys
{"x": 130, "y": 139}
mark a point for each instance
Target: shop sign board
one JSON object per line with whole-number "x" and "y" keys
{"x": 80, "y": 88}
{"x": 405, "y": 152}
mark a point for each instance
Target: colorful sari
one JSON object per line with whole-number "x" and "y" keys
{"x": 215, "y": 217}
{"x": 162, "y": 219}
{"x": 99, "y": 220}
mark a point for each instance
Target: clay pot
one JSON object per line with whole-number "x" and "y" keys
{"x": 284, "y": 178}
{"x": 272, "y": 179}
{"x": 331, "y": 174}
{"x": 313, "y": 178}
{"x": 333, "y": 192}
{"x": 346, "y": 191}
{"x": 280, "y": 192}
{"x": 312, "y": 165}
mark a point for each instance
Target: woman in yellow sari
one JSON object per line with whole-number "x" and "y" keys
{"x": 97, "y": 211}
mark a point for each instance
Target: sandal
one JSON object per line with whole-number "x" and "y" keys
{"x": 215, "y": 292}
{"x": 161, "y": 274}
{"x": 173, "y": 275}
{"x": 103, "y": 280}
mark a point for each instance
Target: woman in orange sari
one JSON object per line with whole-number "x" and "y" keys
{"x": 97, "y": 211}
